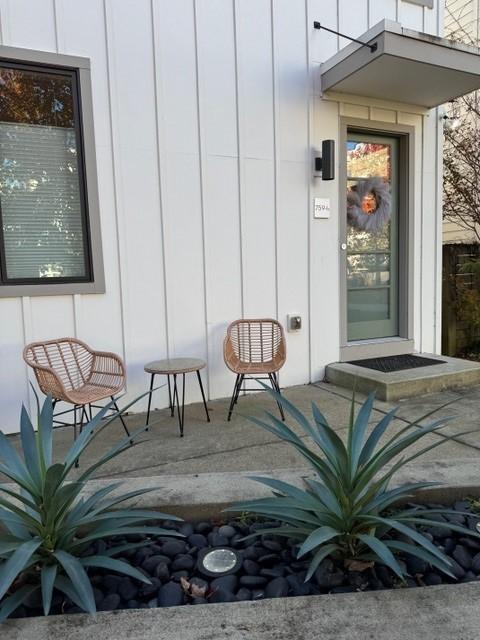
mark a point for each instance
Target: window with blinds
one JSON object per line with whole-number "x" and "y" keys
{"x": 43, "y": 216}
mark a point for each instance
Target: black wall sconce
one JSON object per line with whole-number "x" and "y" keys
{"x": 325, "y": 165}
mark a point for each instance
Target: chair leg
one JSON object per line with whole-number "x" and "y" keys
{"x": 276, "y": 387}
{"x": 83, "y": 413}
{"x": 239, "y": 388}
{"x": 235, "y": 394}
{"x": 230, "y": 409}
{"x": 75, "y": 430}
{"x": 242, "y": 378}
{"x": 121, "y": 417}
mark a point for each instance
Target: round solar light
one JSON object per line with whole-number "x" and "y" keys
{"x": 220, "y": 561}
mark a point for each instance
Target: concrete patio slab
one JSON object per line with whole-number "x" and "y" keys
{"x": 240, "y": 445}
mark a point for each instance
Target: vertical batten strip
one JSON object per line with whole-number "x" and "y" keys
{"x": 27, "y": 329}
{"x": 119, "y": 217}
{"x": 241, "y": 177}
{"x": 310, "y": 142}
{"x": 439, "y": 202}
{"x": 276, "y": 159}
{"x": 4, "y": 22}
{"x": 161, "y": 163}
{"x": 75, "y": 299}
{"x": 337, "y": 27}
{"x": 55, "y": 21}
{"x": 422, "y": 229}
{"x": 201, "y": 166}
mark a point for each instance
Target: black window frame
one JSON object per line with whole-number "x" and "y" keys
{"x": 89, "y": 277}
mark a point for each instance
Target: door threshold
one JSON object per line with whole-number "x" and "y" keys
{"x": 395, "y": 346}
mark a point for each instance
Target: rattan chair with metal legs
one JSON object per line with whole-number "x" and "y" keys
{"x": 68, "y": 370}
{"x": 256, "y": 349}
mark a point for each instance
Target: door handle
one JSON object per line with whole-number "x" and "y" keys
{"x": 343, "y": 246}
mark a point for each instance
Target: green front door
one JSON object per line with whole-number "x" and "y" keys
{"x": 371, "y": 246}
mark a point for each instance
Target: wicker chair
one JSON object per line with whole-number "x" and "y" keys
{"x": 254, "y": 349}
{"x": 70, "y": 371}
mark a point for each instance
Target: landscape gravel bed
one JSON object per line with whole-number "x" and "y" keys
{"x": 269, "y": 568}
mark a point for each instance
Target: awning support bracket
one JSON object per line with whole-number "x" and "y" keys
{"x": 373, "y": 47}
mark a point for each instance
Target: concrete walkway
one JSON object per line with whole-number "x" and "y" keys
{"x": 240, "y": 445}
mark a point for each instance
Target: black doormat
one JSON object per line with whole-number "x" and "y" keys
{"x": 389, "y": 364}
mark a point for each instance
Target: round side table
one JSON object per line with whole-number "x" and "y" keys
{"x": 174, "y": 367}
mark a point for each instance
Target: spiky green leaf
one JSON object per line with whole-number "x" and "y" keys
{"x": 48, "y": 575}
{"x": 320, "y": 555}
{"x": 105, "y": 562}
{"x": 381, "y": 550}
{"x": 45, "y": 430}
{"x": 81, "y": 584}
{"x": 317, "y": 538}
{"x": 16, "y": 563}
{"x": 30, "y": 448}
{"x": 11, "y": 603}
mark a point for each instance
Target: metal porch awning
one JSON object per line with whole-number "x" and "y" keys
{"x": 406, "y": 66}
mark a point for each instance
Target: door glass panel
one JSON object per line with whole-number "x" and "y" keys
{"x": 368, "y": 305}
{"x": 368, "y": 270}
{"x": 372, "y": 237}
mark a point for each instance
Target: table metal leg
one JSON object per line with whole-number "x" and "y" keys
{"x": 203, "y": 395}
{"x": 180, "y": 409}
{"x": 171, "y": 403}
{"x": 152, "y": 378}
{"x": 183, "y": 405}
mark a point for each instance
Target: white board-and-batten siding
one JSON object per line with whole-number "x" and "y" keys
{"x": 205, "y": 115}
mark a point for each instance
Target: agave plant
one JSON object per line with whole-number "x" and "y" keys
{"x": 341, "y": 513}
{"x": 49, "y": 528}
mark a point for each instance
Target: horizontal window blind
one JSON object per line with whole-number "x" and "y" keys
{"x": 40, "y": 202}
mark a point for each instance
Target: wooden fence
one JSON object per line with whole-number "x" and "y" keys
{"x": 458, "y": 336}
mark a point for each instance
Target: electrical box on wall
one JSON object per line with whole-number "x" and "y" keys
{"x": 294, "y": 322}
{"x": 321, "y": 208}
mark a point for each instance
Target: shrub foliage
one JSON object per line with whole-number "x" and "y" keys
{"x": 49, "y": 528}
{"x": 345, "y": 511}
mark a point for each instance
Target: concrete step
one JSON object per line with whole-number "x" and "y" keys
{"x": 452, "y": 373}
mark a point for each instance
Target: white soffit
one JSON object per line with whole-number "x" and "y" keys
{"x": 407, "y": 66}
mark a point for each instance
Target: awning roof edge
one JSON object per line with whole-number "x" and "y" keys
{"x": 408, "y": 67}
